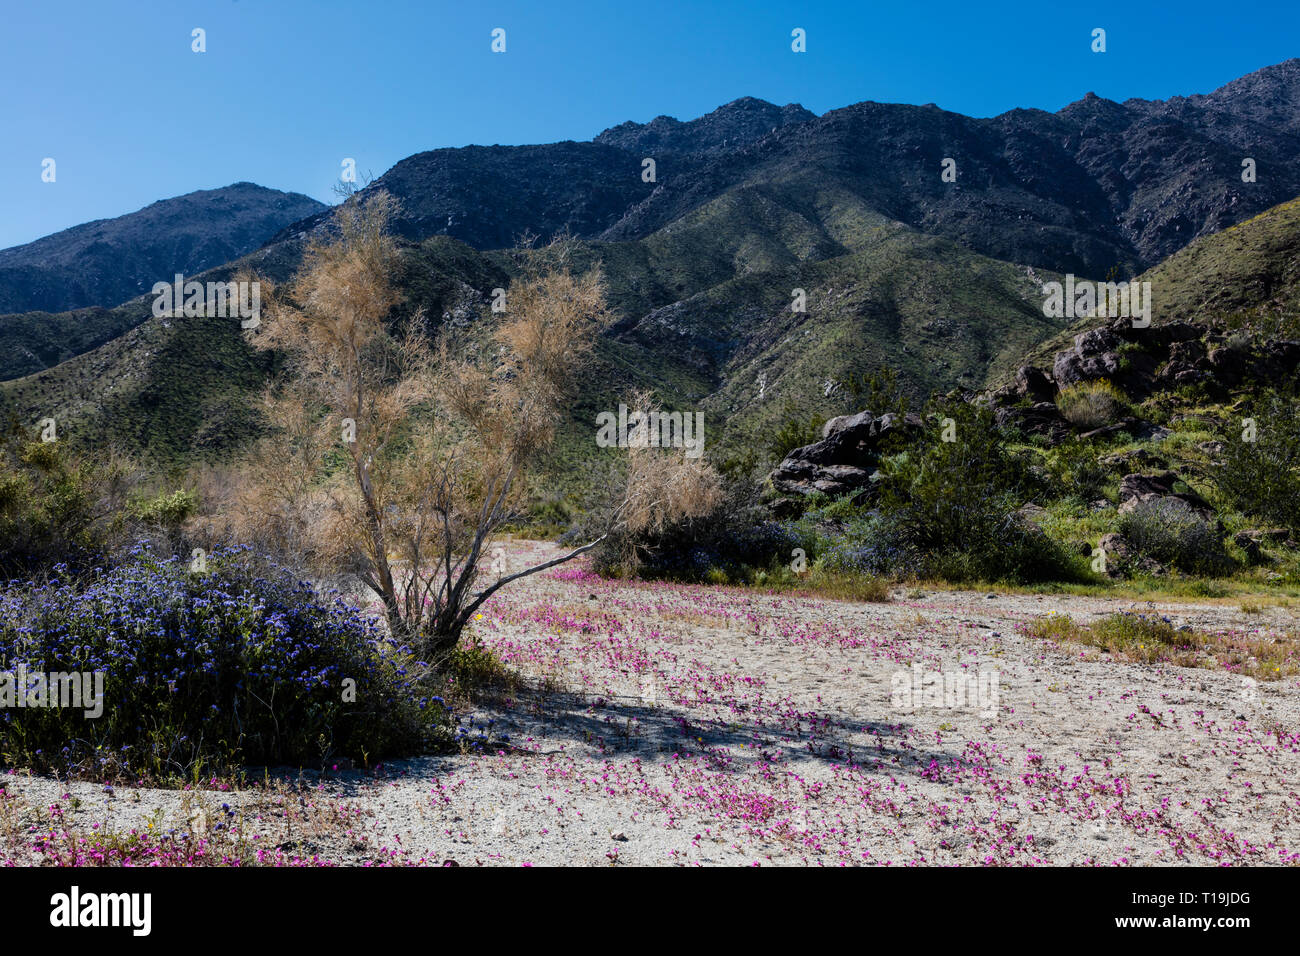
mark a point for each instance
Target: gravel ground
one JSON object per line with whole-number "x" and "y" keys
{"x": 665, "y": 724}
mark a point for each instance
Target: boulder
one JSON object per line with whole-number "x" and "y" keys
{"x": 1135, "y": 488}
{"x": 1130, "y": 461}
{"x": 1253, "y": 539}
{"x": 1122, "y": 558}
{"x": 1250, "y": 546}
{"x": 1034, "y": 384}
{"x": 1070, "y": 368}
{"x": 845, "y": 458}
{"x": 1041, "y": 418}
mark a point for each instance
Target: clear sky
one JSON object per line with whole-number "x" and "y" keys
{"x": 112, "y": 91}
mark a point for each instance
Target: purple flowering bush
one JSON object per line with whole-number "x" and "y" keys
{"x": 205, "y": 672}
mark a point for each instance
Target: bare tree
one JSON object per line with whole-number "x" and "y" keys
{"x": 438, "y": 434}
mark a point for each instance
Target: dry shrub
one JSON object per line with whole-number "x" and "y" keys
{"x": 400, "y": 454}
{"x": 1090, "y": 405}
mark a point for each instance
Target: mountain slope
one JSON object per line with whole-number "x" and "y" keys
{"x": 105, "y": 262}
{"x": 1249, "y": 274}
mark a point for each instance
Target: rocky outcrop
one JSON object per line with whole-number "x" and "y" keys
{"x": 1042, "y": 418}
{"x": 844, "y": 459}
{"x": 1253, "y": 540}
{"x": 1139, "y": 362}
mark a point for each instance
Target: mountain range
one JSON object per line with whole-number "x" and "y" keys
{"x": 939, "y": 280}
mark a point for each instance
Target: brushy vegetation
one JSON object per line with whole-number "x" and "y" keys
{"x": 206, "y": 671}
{"x": 950, "y": 509}
{"x": 1152, "y": 638}
{"x": 56, "y": 506}
{"x": 1262, "y": 476}
{"x": 1168, "y": 531}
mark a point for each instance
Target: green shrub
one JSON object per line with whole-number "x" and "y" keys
{"x": 794, "y": 432}
{"x": 54, "y": 506}
{"x": 1262, "y": 477}
{"x": 165, "y": 510}
{"x": 1076, "y": 467}
{"x": 1169, "y": 531}
{"x": 948, "y": 509}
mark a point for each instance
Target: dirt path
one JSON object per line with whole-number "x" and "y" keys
{"x": 695, "y": 725}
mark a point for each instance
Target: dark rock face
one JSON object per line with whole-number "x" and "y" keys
{"x": 846, "y": 456}
{"x": 1140, "y": 362}
{"x": 1034, "y": 384}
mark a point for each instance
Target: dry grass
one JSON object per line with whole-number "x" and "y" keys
{"x": 1151, "y": 639}
{"x": 833, "y": 586}
{"x": 1090, "y": 405}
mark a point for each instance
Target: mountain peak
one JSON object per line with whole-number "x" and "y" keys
{"x": 108, "y": 261}
{"x": 730, "y": 126}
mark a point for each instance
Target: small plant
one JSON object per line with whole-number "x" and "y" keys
{"x": 165, "y": 510}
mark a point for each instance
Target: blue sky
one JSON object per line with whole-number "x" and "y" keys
{"x": 288, "y": 88}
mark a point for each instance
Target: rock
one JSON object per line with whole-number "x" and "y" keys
{"x": 1279, "y": 359}
{"x": 845, "y": 459}
{"x": 1186, "y": 353}
{"x": 1070, "y": 368}
{"x": 1129, "y": 461}
{"x": 1250, "y": 546}
{"x": 1122, "y": 558}
{"x": 1096, "y": 342}
{"x": 784, "y": 508}
{"x": 1041, "y": 418}
{"x": 1034, "y": 384}
{"x": 1135, "y": 488}
{"x": 1228, "y": 365}
{"x": 1252, "y": 539}
{"x": 1145, "y": 431}
{"x": 847, "y": 423}
{"x": 1168, "y": 334}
